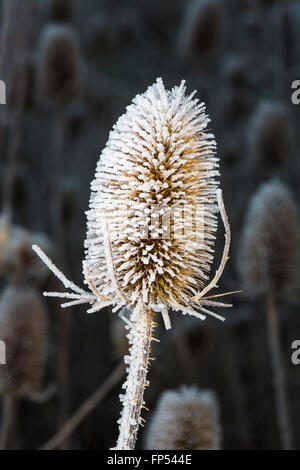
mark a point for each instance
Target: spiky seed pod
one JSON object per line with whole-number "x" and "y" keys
{"x": 141, "y": 249}
{"x": 58, "y": 64}
{"x": 270, "y": 135}
{"x": 187, "y": 419}
{"x": 23, "y": 329}
{"x": 60, "y": 10}
{"x": 157, "y": 155}
{"x": 269, "y": 250}
{"x": 17, "y": 261}
{"x": 201, "y": 28}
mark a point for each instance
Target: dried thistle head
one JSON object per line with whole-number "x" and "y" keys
{"x": 187, "y": 419}
{"x": 201, "y": 28}
{"x": 269, "y": 249}
{"x": 270, "y": 134}
{"x": 23, "y": 329}
{"x": 153, "y": 210}
{"x": 17, "y": 261}
{"x": 60, "y": 10}
{"x": 58, "y": 64}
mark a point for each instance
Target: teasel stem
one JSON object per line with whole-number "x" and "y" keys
{"x": 140, "y": 337}
{"x": 8, "y": 413}
{"x": 278, "y": 374}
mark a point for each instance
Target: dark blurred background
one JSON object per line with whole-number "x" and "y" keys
{"x": 240, "y": 56}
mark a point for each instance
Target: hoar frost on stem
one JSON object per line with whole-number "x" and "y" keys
{"x": 159, "y": 158}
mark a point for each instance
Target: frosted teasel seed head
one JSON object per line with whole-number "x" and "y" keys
{"x": 269, "y": 248}
{"x": 23, "y": 326}
{"x": 159, "y": 155}
{"x": 187, "y": 419}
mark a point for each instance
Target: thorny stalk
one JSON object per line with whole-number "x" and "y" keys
{"x": 140, "y": 337}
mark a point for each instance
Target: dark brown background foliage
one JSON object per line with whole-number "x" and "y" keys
{"x": 252, "y": 56}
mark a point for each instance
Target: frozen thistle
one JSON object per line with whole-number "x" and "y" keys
{"x": 159, "y": 163}
{"x": 187, "y": 419}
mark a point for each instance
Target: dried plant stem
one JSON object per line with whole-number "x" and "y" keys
{"x": 89, "y": 405}
{"x": 140, "y": 337}
{"x": 8, "y": 412}
{"x": 278, "y": 373}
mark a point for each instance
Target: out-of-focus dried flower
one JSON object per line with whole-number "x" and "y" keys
{"x": 270, "y": 135}
{"x": 60, "y": 10}
{"x": 187, "y": 419}
{"x": 59, "y": 71}
{"x": 23, "y": 330}
{"x": 200, "y": 31}
{"x": 269, "y": 251}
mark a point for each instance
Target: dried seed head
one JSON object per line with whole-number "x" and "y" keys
{"x": 17, "y": 261}
{"x": 271, "y": 135}
{"x": 23, "y": 329}
{"x": 185, "y": 420}
{"x": 59, "y": 64}
{"x": 269, "y": 251}
{"x": 60, "y": 10}
{"x": 155, "y": 189}
{"x": 153, "y": 212}
{"x": 201, "y": 28}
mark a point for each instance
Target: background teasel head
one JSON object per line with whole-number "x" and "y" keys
{"x": 201, "y": 28}
{"x": 269, "y": 251}
{"x": 17, "y": 262}
{"x": 158, "y": 165}
{"x": 23, "y": 329}
{"x": 270, "y": 135}
{"x": 58, "y": 64}
{"x": 187, "y": 419}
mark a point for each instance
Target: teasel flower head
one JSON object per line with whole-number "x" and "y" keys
{"x": 59, "y": 71}
{"x": 187, "y": 419}
{"x": 269, "y": 250}
{"x": 23, "y": 330}
{"x": 159, "y": 164}
{"x": 270, "y": 135}
{"x": 151, "y": 228}
{"x": 60, "y": 10}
